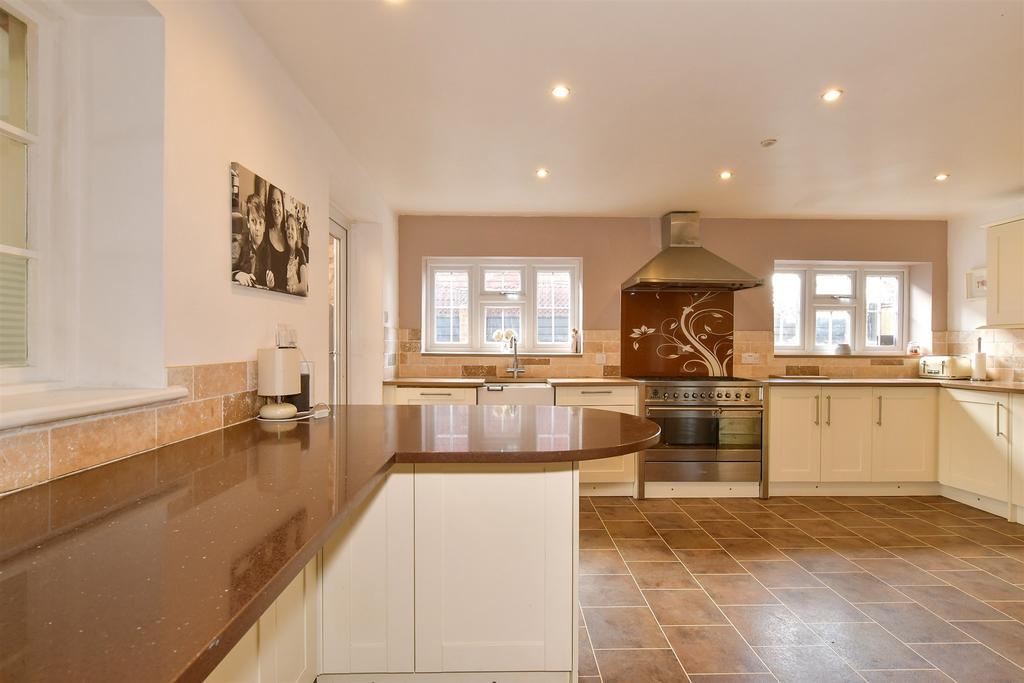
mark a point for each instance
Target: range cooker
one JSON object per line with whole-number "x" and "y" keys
{"x": 711, "y": 431}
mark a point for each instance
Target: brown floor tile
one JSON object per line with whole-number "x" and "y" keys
{"x": 751, "y": 549}
{"x": 592, "y": 539}
{"x": 788, "y": 538}
{"x": 861, "y": 587}
{"x": 821, "y": 560}
{"x": 808, "y": 665}
{"x": 630, "y": 529}
{"x": 897, "y": 572}
{"x": 703, "y": 513}
{"x": 713, "y": 649}
{"x": 670, "y": 520}
{"x": 732, "y": 678}
{"x": 817, "y": 605}
{"x": 869, "y": 646}
{"x": 1005, "y": 637}
{"x": 1015, "y": 551}
{"x": 590, "y": 679}
{"x": 912, "y": 623}
{"x": 879, "y": 511}
{"x": 985, "y": 536}
{"x": 662, "y": 575}
{"x": 590, "y": 520}
{"x": 622, "y": 627}
{"x": 904, "y": 502}
{"x": 1006, "y": 568}
{"x": 602, "y": 562}
{"x": 938, "y": 517}
{"x": 906, "y": 676}
{"x": 930, "y": 559}
{"x": 777, "y": 500}
{"x": 888, "y": 537}
{"x": 822, "y": 528}
{"x": 620, "y": 513}
{"x": 586, "y": 505}
{"x": 740, "y": 504}
{"x": 950, "y": 602}
{"x": 605, "y": 501}
{"x": 1012, "y": 609}
{"x": 854, "y": 520}
{"x": 644, "y": 550}
{"x": 609, "y": 591}
{"x": 689, "y": 539}
{"x": 781, "y": 574}
{"x": 709, "y": 562}
{"x": 822, "y": 503}
{"x": 958, "y": 546}
{"x": 792, "y": 512}
{"x": 683, "y": 608}
{"x": 587, "y": 663}
{"x": 629, "y": 666}
{"x": 856, "y": 547}
{"x": 974, "y": 663}
{"x": 692, "y": 502}
{"x": 736, "y": 589}
{"x": 763, "y": 520}
{"x": 1002, "y": 526}
{"x": 772, "y": 625}
{"x": 728, "y": 530}
{"x": 982, "y": 585}
{"x": 656, "y": 505}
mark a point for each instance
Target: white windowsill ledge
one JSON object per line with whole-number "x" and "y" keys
{"x": 22, "y": 408}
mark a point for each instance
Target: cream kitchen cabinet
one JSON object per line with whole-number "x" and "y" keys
{"x": 974, "y": 442}
{"x": 846, "y": 434}
{"x": 282, "y": 646}
{"x": 619, "y": 399}
{"x": 794, "y": 434}
{"x": 1005, "y": 298}
{"x": 904, "y": 434}
{"x": 430, "y": 396}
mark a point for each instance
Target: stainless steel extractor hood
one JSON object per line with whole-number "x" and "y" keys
{"x": 683, "y": 264}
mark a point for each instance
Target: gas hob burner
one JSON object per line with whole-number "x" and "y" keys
{"x": 702, "y": 391}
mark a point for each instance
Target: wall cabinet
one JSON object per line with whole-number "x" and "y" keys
{"x": 1005, "y": 297}
{"x": 619, "y": 468}
{"x": 851, "y": 434}
{"x": 282, "y": 646}
{"x": 974, "y": 446}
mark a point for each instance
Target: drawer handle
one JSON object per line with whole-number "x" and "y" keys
{"x": 601, "y": 391}
{"x": 828, "y": 410}
{"x": 879, "y": 423}
{"x": 435, "y": 393}
{"x": 817, "y": 409}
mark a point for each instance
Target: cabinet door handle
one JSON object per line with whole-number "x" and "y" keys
{"x": 435, "y": 393}
{"x": 999, "y": 431}
{"x": 602, "y": 391}
{"x": 817, "y": 409}
{"x": 879, "y": 422}
{"x": 828, "y": 410}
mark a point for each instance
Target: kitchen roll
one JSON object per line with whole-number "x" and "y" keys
{"x": 978, "y": 370}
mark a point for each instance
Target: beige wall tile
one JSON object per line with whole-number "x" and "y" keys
{"x": 252, "y": 378}
{"x": 240, "y": 407}
{"x": 84, "y": 444}
{"x": 24, "y": 459}
{"x": 184, "y": 420}
{"x": 181, "y": 376}
{"x": 218, "y": 379}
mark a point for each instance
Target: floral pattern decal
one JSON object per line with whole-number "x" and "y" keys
{"x": 701, "y": 335}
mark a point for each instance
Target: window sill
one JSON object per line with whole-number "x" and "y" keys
{"x": 21, "y": 408}
{"x": 805, "y": 354}
{"x": 501, "y": 354}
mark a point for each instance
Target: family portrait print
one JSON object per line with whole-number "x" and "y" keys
{"x": 269, "y": 235}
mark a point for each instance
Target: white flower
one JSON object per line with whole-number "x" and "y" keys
{"x": 498, "y": 336}
{"x": 641, "y": 331}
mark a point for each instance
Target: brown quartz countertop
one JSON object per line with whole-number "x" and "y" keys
{"x": 593, "y": 381}
{"x": 468, "y": 382}
{"x": 1009, "y": 387}
{"x": 479, "y": 381}
{"x": 151, "y": 568}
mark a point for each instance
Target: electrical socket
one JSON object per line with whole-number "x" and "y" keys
{"x": 751, "y": 358}
{"x": 601, "y": 358}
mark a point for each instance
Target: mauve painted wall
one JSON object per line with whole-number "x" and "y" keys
{"x": 613, "y": 248}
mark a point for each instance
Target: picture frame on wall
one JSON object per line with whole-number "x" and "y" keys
{"x": 269, "y": 235}
{"x": 976, "y": 283}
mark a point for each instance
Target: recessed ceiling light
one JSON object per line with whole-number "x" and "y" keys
{"x": 942, "y": 177}
{"x": 543, "y": 173}
{"x": 768, "y": 142}
{"x": 725, "y": 175}
{"x": 832, "y": 95}
{"x": 560, "y": 91}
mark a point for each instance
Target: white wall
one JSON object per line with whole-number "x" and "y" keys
{"x": 228, "y": 99}
{"x": 966, "y": 240}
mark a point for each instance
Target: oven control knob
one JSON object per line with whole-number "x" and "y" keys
{"x": 703, "y": 395}
{"x": 719, "y": 394}
{"x": 675, "y": 394}
{"x": 748, "y": 395}
{"x": 728, "y": 395}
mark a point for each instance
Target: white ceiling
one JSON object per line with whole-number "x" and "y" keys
{"x": 448, "y": 104}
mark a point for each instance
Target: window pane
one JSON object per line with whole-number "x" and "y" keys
{"x": 833, "y": 284}
{"x": 13, "y": 71}
{"x": 832, "y": 327}
{"x": 882, "y": 297}
{"x": 504, "y": 281}
{"x": 553, "y": 306}
{"x": 13, "y": 310}
{"x": 786, "y": 300}
{"x": 451, "y": 307}
{"x": 499, "y": 319}
{"x": 13, "y": 175}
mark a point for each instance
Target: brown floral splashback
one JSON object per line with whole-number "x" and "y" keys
{"x": 675, "y": 334}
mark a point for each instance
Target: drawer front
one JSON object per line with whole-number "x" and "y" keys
{"x": 595, "y": 396}
{"x": 435, "y": 396}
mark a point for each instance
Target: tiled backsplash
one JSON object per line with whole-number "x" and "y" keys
{"x": 219, "y": 395}
{"x": 768, "y": 363}
{"x": 412, "y": 363}
{"x": 1004, "y": 348}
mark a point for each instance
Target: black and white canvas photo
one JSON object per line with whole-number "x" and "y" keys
{"x": 269, "y": 235}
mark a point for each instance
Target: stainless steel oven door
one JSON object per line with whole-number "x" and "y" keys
{"x": 687, "y": 434}
{"x": 739, "y": 435}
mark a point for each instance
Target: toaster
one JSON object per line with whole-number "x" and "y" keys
{"x": 945, "y": 367}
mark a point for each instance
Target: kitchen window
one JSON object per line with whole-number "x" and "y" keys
{"x": 471, "y": 304}
{"x": 820, "y": 305}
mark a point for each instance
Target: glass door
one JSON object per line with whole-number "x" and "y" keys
{"x": 337, "y": 297}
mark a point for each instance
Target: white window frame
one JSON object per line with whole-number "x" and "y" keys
{"x": 856, "y": 304}
{"x": 478, "y": 298}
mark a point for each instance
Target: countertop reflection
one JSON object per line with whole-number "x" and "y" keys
{"x": 152, "y": 567}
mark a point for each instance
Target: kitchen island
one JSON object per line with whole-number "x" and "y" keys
{"x": 372, "y": 541}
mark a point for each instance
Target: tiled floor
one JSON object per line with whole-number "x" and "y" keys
{"x": 799, "y": 589}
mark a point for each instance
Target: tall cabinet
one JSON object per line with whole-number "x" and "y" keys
{"x": 1005, "y": 251}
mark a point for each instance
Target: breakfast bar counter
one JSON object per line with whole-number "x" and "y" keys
{"x": 152, "y": 568}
